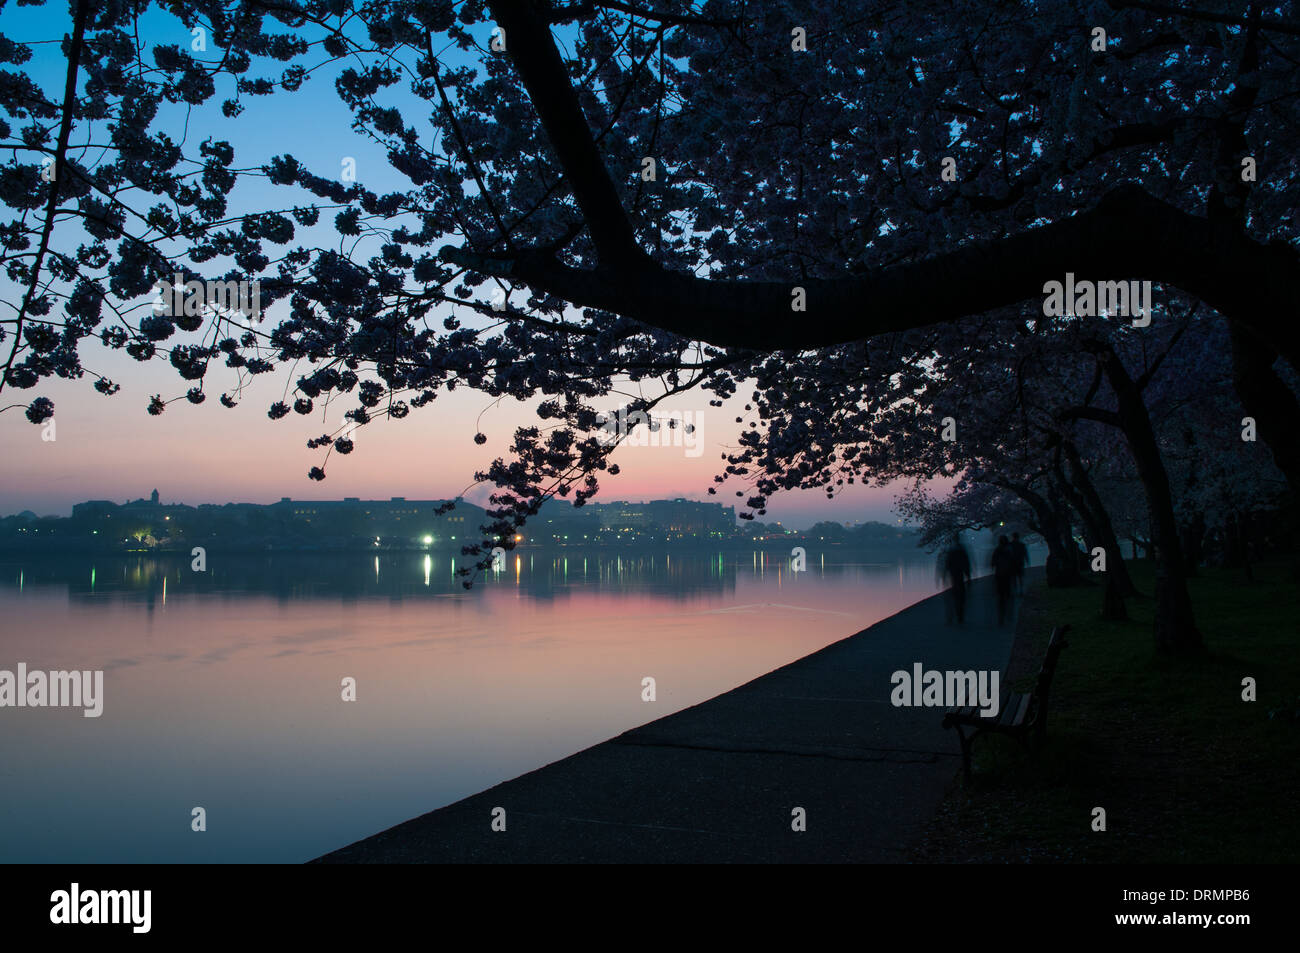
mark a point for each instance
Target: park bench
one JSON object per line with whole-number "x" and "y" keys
{"x": 1023, "y": 717}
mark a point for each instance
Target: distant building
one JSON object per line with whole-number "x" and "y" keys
{"x": 93, "y": 509}
{"x": 396, "y": 521}
{"x": 679, "y": 516}
{"x": 394, "y": 517}
{"x": 560, "y": 521}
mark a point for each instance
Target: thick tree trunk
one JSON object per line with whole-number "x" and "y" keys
{"x": 1088, "y": 502}
{"x": 1194, "y": 543}
{"x": 1142, "y": 548}
{"x": 1267, "y": 399}
{"x": 1238, "y": 545}
{"x": 1175, "y": 626}
{"x": 1062, "y": 567}
{"x": 1112, "y": 601}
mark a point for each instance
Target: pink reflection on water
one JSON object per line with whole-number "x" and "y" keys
{"x": 234, "y": 701}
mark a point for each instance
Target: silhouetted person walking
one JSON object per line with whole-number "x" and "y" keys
{"x": 956, "y": 570}
{"x": 1021, "y": 553}
{"x": 1004, "y": 573}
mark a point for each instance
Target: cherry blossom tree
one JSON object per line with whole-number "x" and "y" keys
{"x": 680, "y": 196}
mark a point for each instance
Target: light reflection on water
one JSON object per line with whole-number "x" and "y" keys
{"x": 222, "y": 689}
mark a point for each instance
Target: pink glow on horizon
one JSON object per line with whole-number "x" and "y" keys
{"x": 109, "y": 448}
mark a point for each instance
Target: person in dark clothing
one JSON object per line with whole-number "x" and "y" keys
{"x": 956, "y": 570}
{"x": 1021, "y": 553}
{"x": 1004, "y": 574}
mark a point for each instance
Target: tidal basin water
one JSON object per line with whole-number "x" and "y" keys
{"x": 222, "y": 690}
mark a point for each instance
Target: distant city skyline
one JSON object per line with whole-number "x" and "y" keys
{"x": 786, "y": 515}
{"x": 794, "y": 520}
{"x": 549, "y": 509}
{"x": 352, "y": 524}
{"x": 109, "y": 448}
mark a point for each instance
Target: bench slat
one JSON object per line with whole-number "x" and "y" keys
{"x": 1007, "y": 714}
{"x": 1013, "y": 717}
{"x": 1022, "y": 710}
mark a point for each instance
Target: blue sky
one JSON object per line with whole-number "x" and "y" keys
{"x": 110, "y": 448}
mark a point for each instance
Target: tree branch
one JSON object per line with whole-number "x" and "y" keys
{"x": 533, "y": 50}
{"x": 1266, "y": 23}
{"x": 582, "y": 11}
{"x": 1128, "y": 234}
{"x": 1151, "y": 371}
{"x": 1108, "y": 417}
{"x": 52, "y": 205}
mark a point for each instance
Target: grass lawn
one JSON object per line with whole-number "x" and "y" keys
{"x": 1186, "y": 770}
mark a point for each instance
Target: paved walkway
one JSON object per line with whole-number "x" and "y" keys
{"x": 717, "y": 782}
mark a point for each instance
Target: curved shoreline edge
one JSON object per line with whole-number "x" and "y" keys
{"x": 721, "y": 781}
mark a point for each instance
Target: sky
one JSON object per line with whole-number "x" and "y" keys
{"x": 110, "y": 448}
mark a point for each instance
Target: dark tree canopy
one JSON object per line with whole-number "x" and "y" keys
{"x": 841, "y": 207}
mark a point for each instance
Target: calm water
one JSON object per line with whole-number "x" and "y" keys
{"x": 223, "y": 690}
